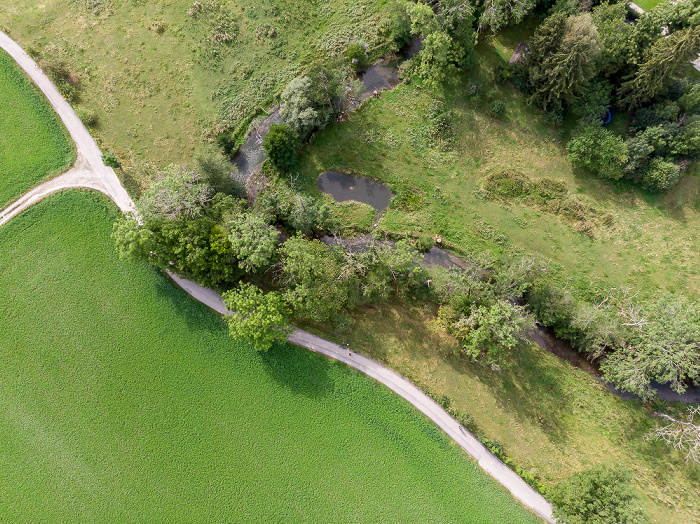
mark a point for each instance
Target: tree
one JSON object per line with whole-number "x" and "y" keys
{"x": 666, "y": 60}
{"x": 561, "y": 59}
{"x": 253, "y": 241}
{"x": 180, "y": 193}
{"x": 600, "y": 495}
{"x": 599, "y": 150}
{"x": 280, "y": 145}
{"x": 400, "y": 25}
{"x": 661, "y": 175}
{"x": 615, "y": 35}
{"x": 302, "y": 108}
{"x": 683, "y": 434}
{"x": 660, "y": 342}
{"x": 257, "y": 316}
{"x": 219, "y": 172}
{"x": 489, "y": 332}
{"x": 358, "y": 57}
{"x": 499, "y": 13}
{"x": 437, "y": 60}
{"x": 312, "y": 274}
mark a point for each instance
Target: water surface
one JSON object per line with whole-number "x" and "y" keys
{"x": 344, "y": 187}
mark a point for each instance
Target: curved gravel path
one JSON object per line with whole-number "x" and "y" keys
{"x": 90, "y": 172}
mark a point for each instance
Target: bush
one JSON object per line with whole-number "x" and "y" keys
{"x": 228, "y": 143}
{"x": 661, "y": 175}
{"x": 424, "y": 243}
{"x": 280, "y": 145}
{"x": 497, "y": 107}
{"x": 110, "y": 160}
{"x": 599, "y": 150}
{"x": 87, "y": 117}
{"x": 502, "y": 72}
{"x": 601, "y": 494}
{"x": 400, "y": 26}
{"x": 304, "y": 107}
{"x": 219, "y": 172}
{"x": 358, "y": 57}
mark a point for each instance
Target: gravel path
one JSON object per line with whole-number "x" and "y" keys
{"x": 90, "y": 172}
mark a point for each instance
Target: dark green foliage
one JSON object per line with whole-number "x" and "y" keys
{"x": 664, "y": 61}
{"x": 561, "y": 59}
{"x": 497, "y": 108}
{"x": 615, "y": 34}
{"x": 358, "y": 57}
{"x": 110, "y": 160}
{"x": 400, "y": 26}
{"x": 502, "y": 72}
{"x": 281, "y": 144}
{"x": 594, "y": 100}
{"x": 599, "y": 495}
{"x": 228, "y": 143}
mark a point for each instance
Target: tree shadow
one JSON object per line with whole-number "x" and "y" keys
{"x": 526, "y": 388}
{"x": 298, "y": 370}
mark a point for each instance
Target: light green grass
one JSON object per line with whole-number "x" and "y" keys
{"x": 123, "y": 400}
{"x": 156, "y": 99}
{"x": 647, "y": 5}
{"x": 33, "y": 143}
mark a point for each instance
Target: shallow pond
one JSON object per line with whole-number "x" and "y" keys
{"x": 344, "y": 187}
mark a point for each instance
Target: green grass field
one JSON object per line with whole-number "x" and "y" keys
{"x": 125, "y": 400}
{"x": 33, "y": 143}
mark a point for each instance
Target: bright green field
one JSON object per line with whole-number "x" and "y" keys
{"x": 33, "y": 143}
{"x": 125, "y": 401}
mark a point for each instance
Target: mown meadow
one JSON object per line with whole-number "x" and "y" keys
{"x": 124, "y": 399}
{"x": 34, "y": 145}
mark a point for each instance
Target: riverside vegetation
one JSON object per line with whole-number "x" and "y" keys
{"x": 475, "y": 163}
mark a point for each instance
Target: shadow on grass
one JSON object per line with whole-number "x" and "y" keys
{"x": 298, "y": 370}
{"x": 527, "y": 388}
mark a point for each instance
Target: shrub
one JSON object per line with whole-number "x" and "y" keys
{"x": 87, "y": 117}
{"x": 358, "y": 57}
{"x": 507, "y": 184}
{"x": 599, "y": 150}
{"x": 424, "y": 243}
{"x": 219, "y": 172}
{"x": 497, "y": 107}
{"x": 110, "y": 160}
{"x": 303, "y": 106}
{"x": 400, "y": 26}
{"x": 661, "y": 175}
{"x": 601, "y": 494}
{"x": 502, "y": 73}
{"x": 280, "y": 144}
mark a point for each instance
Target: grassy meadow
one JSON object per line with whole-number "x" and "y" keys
{"x": 629, "y": 236}
{"x": 161, "y": 81}
{"x": 552, "y": 419}
{"x": 34, "y": 145}
{"x": 125, "y": 400}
